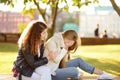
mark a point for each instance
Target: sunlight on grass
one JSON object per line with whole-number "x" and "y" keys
{"x": 104, "y": 57}
{"x": 6, "y": 62}
{"x": 8, "y": 53}
{"x": 100, "y": 51}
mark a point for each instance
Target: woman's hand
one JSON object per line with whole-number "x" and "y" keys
{"x": 52, "y": 55}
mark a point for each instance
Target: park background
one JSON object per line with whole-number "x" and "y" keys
{"x": 102, "y": 55}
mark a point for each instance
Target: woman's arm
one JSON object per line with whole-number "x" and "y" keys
{"x": 29, "y": 58}
{"x": 52, "y": 46}
{"x": 51, "y": 50}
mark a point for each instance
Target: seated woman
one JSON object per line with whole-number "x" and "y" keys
{"x": 62, "y": 44}
{"x": 30, "y": 54}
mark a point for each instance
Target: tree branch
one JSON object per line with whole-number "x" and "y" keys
{"x": 117, "y": 9}
{"x": 55, "y": 12}
{"x": 39, "y": 9}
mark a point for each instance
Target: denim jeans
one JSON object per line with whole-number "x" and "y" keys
{"x": 78, "y": 62}
{"x": 71, "y": 70}
{"x": 64, "y": 73}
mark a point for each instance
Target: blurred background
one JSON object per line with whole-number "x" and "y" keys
{"x": 83, "y": 16}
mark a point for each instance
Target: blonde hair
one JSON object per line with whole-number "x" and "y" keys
{"x": 71, "y": 35}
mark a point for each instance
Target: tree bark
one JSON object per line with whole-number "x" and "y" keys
{"x": 53, "y": 18}
{"x": 117, "y": 9}
{"x": 40, "y": 11}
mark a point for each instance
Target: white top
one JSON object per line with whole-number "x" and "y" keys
{"x": 38, "y": 51}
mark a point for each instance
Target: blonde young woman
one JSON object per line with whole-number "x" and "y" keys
{"x": 30, "y": 54}
{"x": 62, "y": 44}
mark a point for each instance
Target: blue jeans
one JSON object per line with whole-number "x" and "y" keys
{"x": 78, "y": 62}
{"x": 71, "y": 71}
{"x": 64, "y": 73}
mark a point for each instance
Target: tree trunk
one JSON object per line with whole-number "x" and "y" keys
{"x": 40, "y": 10}
{"x": 117, "y": 9}
{"x": 53, "y": 18}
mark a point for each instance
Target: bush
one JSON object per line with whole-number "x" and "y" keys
{"x": 21, "y": 27}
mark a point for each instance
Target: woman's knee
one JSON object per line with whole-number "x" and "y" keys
{"x": 69, "y": 72}
{"x": 79, "y": 59}
{"x": 35, "y": 76}
{"x": 42, "y": 70}
{"x": 47, "y": 70}
{"x": 74, "y": 72}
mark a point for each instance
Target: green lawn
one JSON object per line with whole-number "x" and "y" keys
{"x": 8, "y": 53}
{"x": 104, "y": 57}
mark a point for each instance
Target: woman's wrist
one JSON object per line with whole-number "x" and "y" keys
{"x": 48, "y": 57}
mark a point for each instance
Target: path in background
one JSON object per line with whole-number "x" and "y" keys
{"x": 9, "y": 77}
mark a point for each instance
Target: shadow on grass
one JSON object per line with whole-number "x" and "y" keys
{"x": 109, "y": 65}
{"x": 8, "y": 47}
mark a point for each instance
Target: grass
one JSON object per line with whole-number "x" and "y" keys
{"x": 8, "y": 53}
{"x": 104, "y": 57}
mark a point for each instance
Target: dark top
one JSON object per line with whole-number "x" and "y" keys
{"x": 27, "y": 62}
{"x": 96, "y": 32}
{"x": 105, "y": 36}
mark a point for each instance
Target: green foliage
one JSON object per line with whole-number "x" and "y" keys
{"x": 95, "y": 1}
{"x": 45, "y": 1}
{"x": 26, "y": 1}
{"x": 6, "y": 1}
{"x": 52, "y": 5}
{"x": 65, "y": 8}
{"x": 77, "y": 3}
{"x": 21, "y": 27}
{"x": 31, "y": 12}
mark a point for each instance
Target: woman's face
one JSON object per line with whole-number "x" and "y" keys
{"x": 68, "y": 43}
{"x": 44, "y": 35}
